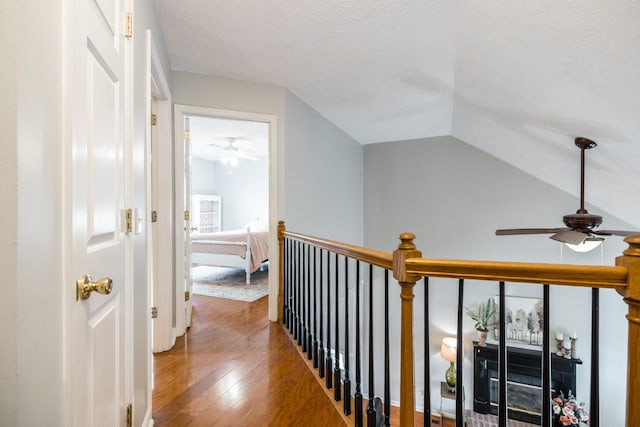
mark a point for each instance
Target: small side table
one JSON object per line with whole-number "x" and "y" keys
{"x": 451, "y": 395}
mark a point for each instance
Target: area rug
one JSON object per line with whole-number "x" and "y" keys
{"x": 229, "y": 283}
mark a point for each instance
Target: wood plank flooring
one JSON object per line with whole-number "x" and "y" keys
{"x": 235, "y": 368}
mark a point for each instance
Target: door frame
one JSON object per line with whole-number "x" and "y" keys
{"x": 180, "y": 112}
{"x": 159, "y": 245}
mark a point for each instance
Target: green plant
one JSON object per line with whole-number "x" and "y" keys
{"x": 483, "y": 316}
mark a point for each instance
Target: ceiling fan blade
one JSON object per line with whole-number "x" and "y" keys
{"x": 242, "y": 155}
{"x": 512, "y": 231}
{"x": 570, "y": 236}
{"x": 615, "y": 232}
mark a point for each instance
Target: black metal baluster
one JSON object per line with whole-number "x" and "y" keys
{"x": 347, "y": 381}
{"x": 308, "y": 286}
{"x": 459, "y": 356}
{"x": 291, "y": 287}
{"x": 371, "y": 411}
{"x": 546, "y": 359}
{"x": 304, "y": 291}
{"x": 502, "y": 361}
{"x": 427, "y": 364}
{"x": 315, "y": 309}
{"x": 296, "y": 308}
{"x": 595, "y": 359}
{"x": 285, "y": 274}
{"x": 300, "y": 297}
{"x": 321, "y": 354}
{"x": 358, "y": 393}
{"x": 329, "y": 362}
{"x": 387, "y": 382}
{"x": 337, "y": 391}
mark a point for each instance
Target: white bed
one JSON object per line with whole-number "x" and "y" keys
{"x": 243, "y": 249}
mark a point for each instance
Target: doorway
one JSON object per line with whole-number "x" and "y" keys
{"x": 187, "y": 122}
{"x": 229, "y": 207}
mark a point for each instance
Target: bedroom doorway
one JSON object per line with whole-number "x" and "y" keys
{"x": 227, "y": 164}
{"x": 229, "y": 207}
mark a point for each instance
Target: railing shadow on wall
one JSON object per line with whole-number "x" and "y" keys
{"x": 319, "y": 276}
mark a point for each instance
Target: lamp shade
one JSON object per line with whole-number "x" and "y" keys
{"x": 448, "y": 350}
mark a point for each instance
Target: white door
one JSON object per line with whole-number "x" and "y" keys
{"x": 187, "y": 223}
{"x": 98, "y": 356}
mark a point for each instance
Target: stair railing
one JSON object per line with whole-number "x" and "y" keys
{"x": 299, "y": 305}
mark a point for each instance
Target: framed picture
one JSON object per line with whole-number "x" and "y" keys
{"x": 524, "y": 320}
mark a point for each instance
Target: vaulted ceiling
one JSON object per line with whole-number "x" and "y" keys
{"x": 517, "y": 79}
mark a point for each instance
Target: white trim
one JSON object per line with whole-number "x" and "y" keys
{"x": 160, "y": 273}
{"x": 180, "y": 111}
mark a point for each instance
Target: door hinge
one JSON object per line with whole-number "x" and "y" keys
{"x": 186, "y": 134}
{"x": 187, "y": 296}
{"x": 154, "y": 216}
{"x": 186, "y": 215}
{"x": 154, "y": 120}
{"x": 129, "y": 415}
{"x": 128, "y": 24}
{"x": 128, "y": 220}
{"x": 154, "y": 312}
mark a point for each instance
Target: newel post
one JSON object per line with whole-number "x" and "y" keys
{"x": 631, "y": 260}
{"x": 406, "y": 249}
{"x": 281, "y": 230}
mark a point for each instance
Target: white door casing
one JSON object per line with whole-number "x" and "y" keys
{"x": 180, "y": 113}
{"x": 161, "y": 191}
{"x": 98, "y": 352}
{"x": 187, "y": 223}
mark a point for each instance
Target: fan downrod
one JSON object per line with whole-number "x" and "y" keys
{"x": 582, "y": 220}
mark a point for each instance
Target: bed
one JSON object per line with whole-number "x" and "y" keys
{"x": 243, "y": 249}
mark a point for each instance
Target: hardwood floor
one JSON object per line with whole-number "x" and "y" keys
{"x": 235, "y": 368}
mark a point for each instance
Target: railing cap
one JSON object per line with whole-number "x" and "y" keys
{"x": 634, "y": 245}
{"x": 407, "y": 241}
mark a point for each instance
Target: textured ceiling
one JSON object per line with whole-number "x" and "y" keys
{"x": 517, "y": 79}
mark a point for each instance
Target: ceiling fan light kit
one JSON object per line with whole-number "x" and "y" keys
{"x": 579, "y": 234}
{"x": 231, "y": 155}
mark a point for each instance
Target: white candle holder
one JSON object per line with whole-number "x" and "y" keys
{"x": 573, "y": 347}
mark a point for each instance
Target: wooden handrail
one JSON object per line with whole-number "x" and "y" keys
{"x": 370, "y": 256}
{"x": 408, "y": 267}
{"x": 552, "y": 274}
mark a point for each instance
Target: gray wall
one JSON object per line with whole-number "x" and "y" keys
{"x": 454, "y": 197}
{"x": 203, "y": 176}
{"x": 245, "y": 192}
{"x": 244, "y": 189}
{"x": 323, "y": 177}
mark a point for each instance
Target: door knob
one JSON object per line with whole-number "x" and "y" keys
{"x": 84, "y": 287}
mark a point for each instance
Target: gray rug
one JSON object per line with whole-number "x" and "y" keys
{"x": 229, "y": 283}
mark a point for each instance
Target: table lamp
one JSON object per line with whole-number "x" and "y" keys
{"x": 448, "y": 351}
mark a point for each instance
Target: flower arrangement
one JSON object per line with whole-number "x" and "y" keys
{"x": 568, "y": 412}
{"x": 483, "y": 317}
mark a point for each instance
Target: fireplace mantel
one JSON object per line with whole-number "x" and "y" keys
{"x": 524, "y": 380}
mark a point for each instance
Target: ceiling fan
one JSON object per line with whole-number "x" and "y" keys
{"x": 229, "y": 153}
{"x": 580, "y": 226}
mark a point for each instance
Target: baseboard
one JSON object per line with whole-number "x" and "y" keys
{"x": 147, "y": 421}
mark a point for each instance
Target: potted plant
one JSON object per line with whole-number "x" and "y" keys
{"x": 483, "y": 318}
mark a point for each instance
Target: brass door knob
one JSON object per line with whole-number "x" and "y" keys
{"x": 84, "y": 287}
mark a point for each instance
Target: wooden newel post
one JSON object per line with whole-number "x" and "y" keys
{"x": 631, "y": 260}
{"x": 406, "y": 249}
{"x": 281, "y": 230}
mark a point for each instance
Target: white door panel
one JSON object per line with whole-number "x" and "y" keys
{"x": 98, "y": 354}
